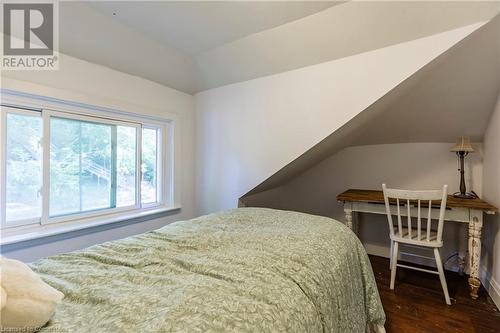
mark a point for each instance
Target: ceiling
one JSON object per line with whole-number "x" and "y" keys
{"x": 193, "y": 26}
{"x": 195, "y": 46}
{"x": 453, "y": 95}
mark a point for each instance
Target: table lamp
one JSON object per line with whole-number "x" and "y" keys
{"x": 462, "y": 149}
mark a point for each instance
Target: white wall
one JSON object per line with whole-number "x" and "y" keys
{"x": 491, "y": 192}
{"x": 84, "y": 82}
{"x": 409, "y": 165}
{"x": 247, "y": 131}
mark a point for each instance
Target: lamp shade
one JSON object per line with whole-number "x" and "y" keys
{"x": 463, "y": 144}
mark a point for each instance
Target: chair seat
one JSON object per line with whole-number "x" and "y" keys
{"x": 414, "y": 239}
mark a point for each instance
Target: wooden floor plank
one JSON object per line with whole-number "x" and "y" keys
{"x": 417, "y": 304}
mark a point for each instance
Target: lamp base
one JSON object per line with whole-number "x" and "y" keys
{"x": 467, "y": 195}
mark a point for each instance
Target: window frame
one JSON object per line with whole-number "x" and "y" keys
{"x": 167, "y": 193}
{"x": 47, "y": 114}
{"x": 159, "y": 167}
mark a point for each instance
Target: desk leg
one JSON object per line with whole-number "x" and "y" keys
{"x": 475, "y": 226}
{"x": 348, "y": 214}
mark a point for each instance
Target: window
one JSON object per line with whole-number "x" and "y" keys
{"x": 150, "y": 139}
{"x": 23, "y": 166}
{"x": 84, "y": 161}
{"x": 61, "y": 166}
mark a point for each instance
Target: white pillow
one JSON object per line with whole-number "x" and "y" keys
{"x": 26, "y": 301}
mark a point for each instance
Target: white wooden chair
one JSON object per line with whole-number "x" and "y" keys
{"x": 418, "y": 234}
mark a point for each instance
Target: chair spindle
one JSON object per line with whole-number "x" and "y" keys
{"x": 419, "y": 222}
{"x": 400, "y": 224}
{"x": 409, "y": 219}
{"x": 429, "y": 222}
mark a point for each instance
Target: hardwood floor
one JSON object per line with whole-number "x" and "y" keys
{"x": 417, "y": 304}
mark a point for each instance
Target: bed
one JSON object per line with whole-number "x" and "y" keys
{"x": 243, "y": 270}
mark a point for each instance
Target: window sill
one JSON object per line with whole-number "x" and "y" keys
{"x": 28, "y": 233}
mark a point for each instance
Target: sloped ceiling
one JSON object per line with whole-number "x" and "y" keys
{"x": 193, "y": 26}
{"x": 453, "y": 95}
{"x": 337, "y": 32}
{"x": 248, "y": 131}
{"x": 195, "y": 46}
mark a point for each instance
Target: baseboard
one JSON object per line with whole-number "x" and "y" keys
{"x": 377, "y": 250}
{"x": 491, "y": 285}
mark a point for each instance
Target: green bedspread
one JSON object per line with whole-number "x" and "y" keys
{"x": 245, "y": 270}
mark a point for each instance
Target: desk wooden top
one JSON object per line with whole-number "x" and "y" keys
{"x": 371, "y": 196}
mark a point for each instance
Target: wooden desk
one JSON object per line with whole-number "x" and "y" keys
{"x": 468, "y": 211}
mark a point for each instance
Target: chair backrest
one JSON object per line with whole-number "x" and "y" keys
{"x": 416, "y": 199}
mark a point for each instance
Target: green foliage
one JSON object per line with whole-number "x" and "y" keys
{"x": 81, "y": 162}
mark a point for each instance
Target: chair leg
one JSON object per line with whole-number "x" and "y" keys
{"x": 390, "y": 254}
{"x": 394, "y": 263}
{"x": 441, "y": 275}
